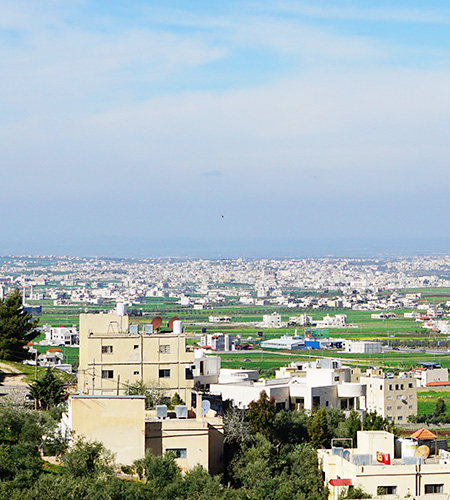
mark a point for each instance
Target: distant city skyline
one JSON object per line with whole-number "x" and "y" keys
{"x": 212, "y": 129}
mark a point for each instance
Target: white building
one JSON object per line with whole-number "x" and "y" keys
{"x": 217, "y": 341}
{"x": 337, "y": 321}
{"x": 284, "y": 342}
{"x": 431, "y": 375}
{"x": 362, "y": 346}
{"x": 272, "y": 320}
{"x": 61, "y": 335}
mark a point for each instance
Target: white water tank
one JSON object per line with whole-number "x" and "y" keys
{"x": 177, "y": 327}
{"x": 409, "y": 447}
{"x": 121, "y": 309}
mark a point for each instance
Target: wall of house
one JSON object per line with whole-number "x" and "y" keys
{"x": 118, "y": 422}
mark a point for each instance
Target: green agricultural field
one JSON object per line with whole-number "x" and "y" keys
{"x": 426, "y": 401}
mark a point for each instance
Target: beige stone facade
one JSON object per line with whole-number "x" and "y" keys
{"x": 393, "y": 398}
{"x": 123, "y": 425}
{"x": 112, "y": 355}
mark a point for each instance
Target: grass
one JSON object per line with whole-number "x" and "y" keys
{"x": 426, "y": 401}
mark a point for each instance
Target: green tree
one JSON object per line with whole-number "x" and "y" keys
{"x": 290, "y": 427}
{"x": 17, "y": 328}
{"x": 318, "y": 429}
{"x": 158, "y": 472}
{"x": 440, "y": 407}
{"x": 375, "y": 422}
{"x": 88, "y": 459}
{"x": 48, "y": 391}
{"x": 261, "y": 414}
{"x": 175, "y": 401}
{"x": 154, "y": 392}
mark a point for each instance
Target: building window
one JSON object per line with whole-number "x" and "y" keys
{"x": 107, "y": 349}
{"x": 107, "y": 373}
{"x": 410, "y": 407}
{"x": 179, "y": 452}
{"x": 389, "y": 398}
{"x": 411, "y": 396}
{"x": 164, "y": 373}
{"x": 399, "y": 418}
{"x": 326, "y": 403}
{"x": 136, "y": 346}
{"x": 189, "y": 375}
{"x": 410, "y": 385}
{"x": 381, "y": 387}
{"x": 389, "y": 418}
{"x": 164, "y": 349}
{"x": 389, "y": 408}
{"x": 396, "y": 387}
{"x": 399, "y": 407}
{"x": 390, "y": 387}
{"x": 336, "y": 379}
{"x": 387, "y": 490}
{"x": 400, "y": 397}
{"x": 434, "y": 488}
{"x": 402, "y": 387}
{"x": 135, "y": 373}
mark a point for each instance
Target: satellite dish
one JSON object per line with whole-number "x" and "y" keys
{"x": 170, "y": 323}
{"x": 206, "y": 405}
{"x": 156, "y": 322}
{"x": 422, "y": 451}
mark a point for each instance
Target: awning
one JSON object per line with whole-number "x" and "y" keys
{"x": 340, "y": 482}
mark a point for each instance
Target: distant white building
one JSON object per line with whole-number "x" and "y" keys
{"x": 61, "y": 335}
{"x": 362, "y": 346}
{"x": 217, "y": 341}
{"x": 285, "y": 342}
{"x": 338, "y": 321}
{"x": 301, "y": 320}
{"x": 430, "y": 374}
{"x": 272, "y": 320}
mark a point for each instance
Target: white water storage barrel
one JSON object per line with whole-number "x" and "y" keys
{"x": 121, "y": 309}
{"x": 409, "y": 447}
{"x": 177, "y": 327}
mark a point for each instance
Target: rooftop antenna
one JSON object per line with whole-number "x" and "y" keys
{"x": 156, "y": 322}
{"x": 206, "y": 405}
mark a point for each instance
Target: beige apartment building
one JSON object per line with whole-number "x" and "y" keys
{"x": 123, "y": 425}
{"x": 114, "y": 354}
{"x": 394, "y": 398}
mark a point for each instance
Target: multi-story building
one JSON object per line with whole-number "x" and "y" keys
{"x": 394, "y": 398}
{"x": 430, "y": 374}
{"x": 114, "y": 354}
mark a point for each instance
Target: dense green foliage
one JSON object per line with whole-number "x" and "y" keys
{"x": 16, "y": 328}
{"x": 48, "y": 390}
{"x": 276, "y": 464}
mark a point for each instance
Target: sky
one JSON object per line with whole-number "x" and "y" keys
{"x": 224, "y": 128}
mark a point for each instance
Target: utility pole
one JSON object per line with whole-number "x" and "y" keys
{"x": 93, "y": 376}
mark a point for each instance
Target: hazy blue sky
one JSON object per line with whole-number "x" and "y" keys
{"x": 132, "y": 127}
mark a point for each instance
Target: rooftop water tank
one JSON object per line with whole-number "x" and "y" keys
{"x": 409, "y": 447}
{"x": 177, "y": 327}
{"x": 121, "y": 309}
